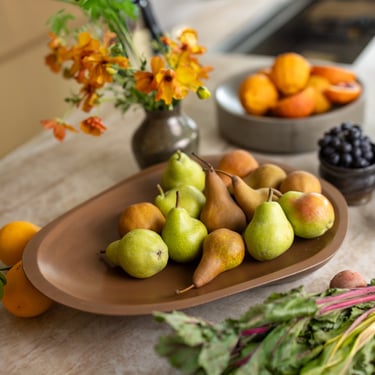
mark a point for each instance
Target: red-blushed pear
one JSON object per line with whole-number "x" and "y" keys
{"x": 311, "y": 214}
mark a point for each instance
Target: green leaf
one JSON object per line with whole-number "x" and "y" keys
{"x": 58, "y": 22}
{"x": 3, "y": 281}
{"x": 363, "y": 362}
{"x": 196, "y": 343}
{"x": 191, "y": 330}
{"x": 179, "y": 355}
{"x": 279, "y": 307}
{"x": 215, "y": 355}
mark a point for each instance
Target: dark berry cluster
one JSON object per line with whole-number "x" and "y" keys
{"x": 347, "y": 146}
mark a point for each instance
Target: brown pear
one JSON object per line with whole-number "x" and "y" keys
{"x": 247, "y": 197}
{"x": 223, "y": 250}
{"x": 266, "y": 175}
{"x": 220, "y": 210}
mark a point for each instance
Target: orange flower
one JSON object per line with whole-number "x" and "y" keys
{"x": 188, "y": 42}
{"x": 93, "y": 125}
{"x": 168, "y": 87}
{"x": 57, "y": 57}
{"x": 90, "y": 97}
{"x": 103, "y": 63}
{"x": 92, "y": 63}
{"x": 59, "y": 128}
{"x": 145, "y": 81}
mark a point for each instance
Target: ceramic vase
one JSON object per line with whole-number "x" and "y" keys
{"x": 161, "y": 133}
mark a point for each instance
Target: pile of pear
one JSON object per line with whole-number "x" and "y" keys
{"x": 216, "y": 215}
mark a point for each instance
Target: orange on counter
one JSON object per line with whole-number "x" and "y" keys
{"x": 14, "y": 237}
{"x": 20, "y": 297}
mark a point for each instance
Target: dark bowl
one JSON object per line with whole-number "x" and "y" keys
{"x": 355, "y": 184}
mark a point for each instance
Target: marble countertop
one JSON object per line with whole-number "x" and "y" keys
{"x": 43, "y": 179}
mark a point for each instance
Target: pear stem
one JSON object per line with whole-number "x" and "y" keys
{"x": 179, "y": 291}
{"x": 276, "y": 192}
{"x": 205, "y": 162}
{"x": 270, "y": 193}
{"x": 225, "y": 173}
{"x": 177, "y": 198}
{"x": 160, "y": 189}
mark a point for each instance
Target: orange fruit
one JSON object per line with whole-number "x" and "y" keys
{"x": 343, "y": 93}
{"x": 301, "y": 104}
{"x": 334, "y": 74}
{"x": 145, "y": 215}
{"x": 320, "y": 84}
{"x": 20, "y": 297}
{"x": 290, "y": 72}
{"x": 14, "y": 237}
{"x": 257, "y": 94}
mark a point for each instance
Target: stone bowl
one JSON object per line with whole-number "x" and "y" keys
{"x": 274, "y": 134}
{"x": 355, "y": 184}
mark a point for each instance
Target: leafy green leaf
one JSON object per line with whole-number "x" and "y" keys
{"x": 3, "y": 281}
{"x": 58, "y": 22}
{"x": 289, "y": 333}
{"x": 179, "y": 355}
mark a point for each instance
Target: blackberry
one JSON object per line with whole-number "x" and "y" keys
{"x": 346, "y": 146}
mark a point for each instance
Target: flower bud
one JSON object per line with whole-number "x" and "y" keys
{"x": 203, "y": 92}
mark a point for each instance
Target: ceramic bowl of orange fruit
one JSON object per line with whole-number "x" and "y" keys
{"x": 286, "y": 106}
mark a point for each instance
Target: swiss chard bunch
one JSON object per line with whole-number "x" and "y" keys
{"x": 289, "y": 333}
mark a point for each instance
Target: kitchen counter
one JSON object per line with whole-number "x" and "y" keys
{"x": 43, "y": 179}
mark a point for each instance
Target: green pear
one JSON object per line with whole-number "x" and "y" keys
{"x": 111, "y": 253}
{"x": 183, "y": 234}
{"x": 182, "y": 170}
{"x": 191, "y": 198}
{"x": 142, "y": 253}
{"x": 269, "y": 233}
{"x": 311, "y": 214}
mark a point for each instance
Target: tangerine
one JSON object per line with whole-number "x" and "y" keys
{"x": 14, "y": 237}
{"x": 301, "y": 104}
{"x": 343, "y": 93}
{"x": 290, "y": 72}
{"x": 257, "y": 94}
{"x": 334, "y": 74}
{"x": 20, "y": 297}
{"x": 320, "y": 84}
